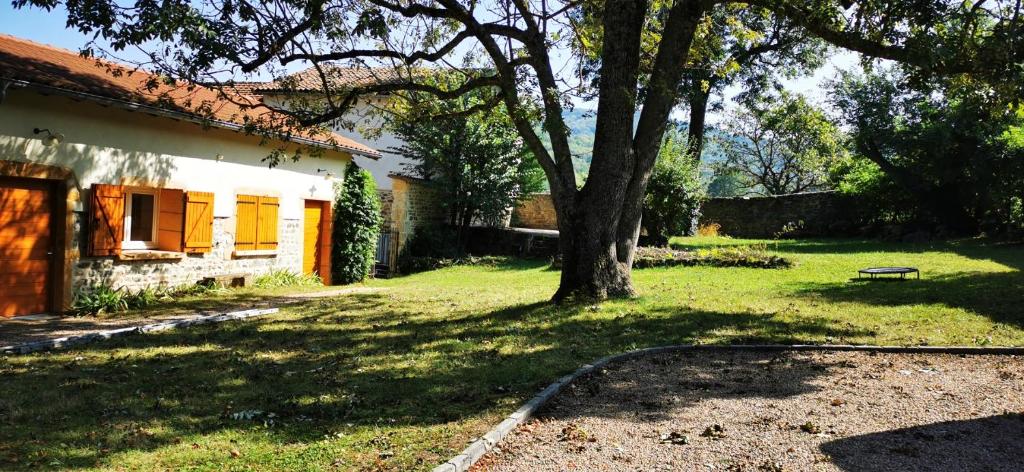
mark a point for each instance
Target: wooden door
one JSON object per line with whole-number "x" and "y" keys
{"x": 26, "y": 246}
{"x": 312, "y": 238}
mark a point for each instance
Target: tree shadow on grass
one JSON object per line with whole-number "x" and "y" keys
{"x": 23, "y": 330}
{"x": 998, "y": 296}
{"x": 991, "y": 443}
{"x": 352, "y": 364}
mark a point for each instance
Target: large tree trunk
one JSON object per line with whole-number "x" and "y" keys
{"x": 588, "y": 224}
{"x": 591, "y": 268}
{"x": 599, "y": 224}
{"x": 699, "y": 98}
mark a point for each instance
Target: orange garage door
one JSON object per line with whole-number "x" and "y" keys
{"x": 25, "y": 244}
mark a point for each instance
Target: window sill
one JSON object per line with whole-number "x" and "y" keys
{"x": 256, "y": 253}
{"x": 149, "y": 255}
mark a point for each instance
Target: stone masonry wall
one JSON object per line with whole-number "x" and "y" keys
{"x": 535, "y": 212}
{"x": 801, "y": 214}
{"x": 387, "y": 200}
{"x": 134, "y": 275}
{"x": 414, "y": 205}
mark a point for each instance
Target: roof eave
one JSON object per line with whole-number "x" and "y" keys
{"x": 179, "y": 115}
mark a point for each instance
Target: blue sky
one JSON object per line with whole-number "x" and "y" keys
{"x": 45, "y": 27}
{"x": 49, "y": 28}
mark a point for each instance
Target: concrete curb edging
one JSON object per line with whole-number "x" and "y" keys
{"x": 476, "y": 450}
{"x": 69, "y": 341}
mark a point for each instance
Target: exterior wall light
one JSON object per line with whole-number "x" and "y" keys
{"x": 51, "y": 138}
{"x": 219, "y": 157}
{"x": 327, "y": 175}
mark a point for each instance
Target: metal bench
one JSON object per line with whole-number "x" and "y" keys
{"x": 880, "y": 271}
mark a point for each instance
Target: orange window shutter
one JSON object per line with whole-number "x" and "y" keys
{"x": 246, "y": 208}
{"x": 106, "y": 219}
{"x": 266, "y": 237}
{"x": 172, "y": 220}
{"x": 198, "y": 222}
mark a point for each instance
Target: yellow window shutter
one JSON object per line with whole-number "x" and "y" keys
{"x": 266, "y": 238}
{"x": 172, "y": 220}
{"x": 246, "y": 208}
{"x": 326, "y": 226}
{"x": 198, "y": 222}
{"x": 107, "y": 220}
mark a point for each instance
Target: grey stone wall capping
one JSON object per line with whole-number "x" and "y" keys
{"x": 70, "y": 341}
{"x": 477, "y": 449}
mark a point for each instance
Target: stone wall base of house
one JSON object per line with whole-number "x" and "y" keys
{"x": 137, "y": 274}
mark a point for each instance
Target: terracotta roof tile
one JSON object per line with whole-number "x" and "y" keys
{"x": 47, "y": 66}
{"x": 337, "y": 77}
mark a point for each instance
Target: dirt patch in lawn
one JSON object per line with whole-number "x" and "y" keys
{"x": 781, "y": 411}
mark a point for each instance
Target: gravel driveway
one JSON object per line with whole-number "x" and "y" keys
{"x": 772, "y": 411}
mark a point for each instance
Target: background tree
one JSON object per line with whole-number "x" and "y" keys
{"x": 674, "y": 192}
{"x": 356, "y": 226}
{"x": 726, "y": 183}
{"x": 780, "y": 145}
{"x": 508, "y": 45}
{"x": 476, "y": 161}
{"x": 746, "y": 46}
{"x": 945, "y": 153}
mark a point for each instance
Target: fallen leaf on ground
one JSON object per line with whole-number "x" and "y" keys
{"x": 674, "y": 437}
{"x": 809, "y": 427}
{"x": 715, "y": 431}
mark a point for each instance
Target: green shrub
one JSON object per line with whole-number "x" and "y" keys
{"x": 286, "y": 278}
{"x": 674, "y": 192}
{"x": 101, "y": 299}
{"x": 356, "y": 227}
{"x": 756, "y": 256}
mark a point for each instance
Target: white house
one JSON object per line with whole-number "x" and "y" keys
{"x": 308, "y": 86}
{"x": 104, "y": 180}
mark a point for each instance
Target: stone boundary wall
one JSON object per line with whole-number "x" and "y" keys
{"x": 798, "y": 214}
{"x": 518, "y": 242}
{"x": 535, "y": 212}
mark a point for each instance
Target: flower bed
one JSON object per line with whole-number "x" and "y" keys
{"x": 733, "y": 256}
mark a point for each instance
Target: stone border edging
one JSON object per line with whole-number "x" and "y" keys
{"x": 69, "y": 341}
{"x": 476, "y": 450}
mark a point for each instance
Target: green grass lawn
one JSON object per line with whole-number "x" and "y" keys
{"x": 404, "y": 377}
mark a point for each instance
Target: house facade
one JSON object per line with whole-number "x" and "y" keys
{"x": 362, "y": 122}
{"x": 105, "y": 180}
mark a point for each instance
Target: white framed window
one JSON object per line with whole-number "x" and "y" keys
{"x": 141, "y": 218}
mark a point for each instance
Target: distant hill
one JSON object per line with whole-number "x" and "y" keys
{"x": 582, "y": 124}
